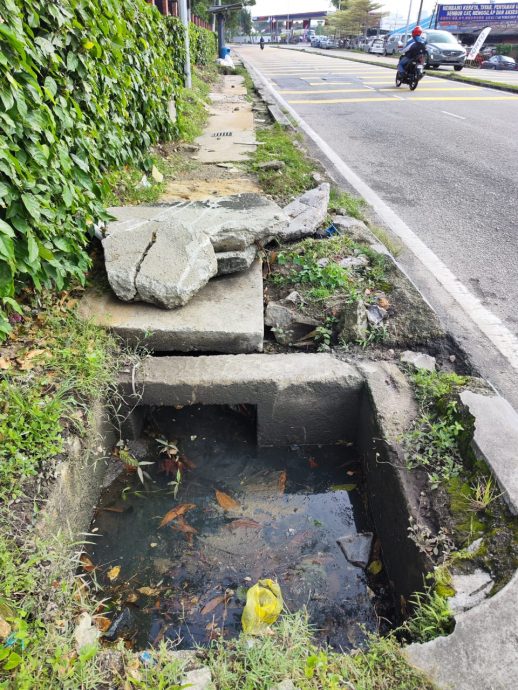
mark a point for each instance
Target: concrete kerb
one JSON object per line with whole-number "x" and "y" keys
{"x": 473, "y": 81}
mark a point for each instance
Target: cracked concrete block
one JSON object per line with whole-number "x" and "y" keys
{"x": 306, "y": 213}
{"x": 470, "y": 590}
{"x": 481, "y": 653}
{"x": 177, "y": 265}
{"x": 122, "y": 259}
{"x": 418, "y": 360}
{"x": 495, "y": 440}
{"x": 234, "y": 262}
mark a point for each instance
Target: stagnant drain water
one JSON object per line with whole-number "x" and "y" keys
{"x": 250, "y": 513}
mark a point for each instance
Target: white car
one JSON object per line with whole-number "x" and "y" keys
{"x": 377, "y": 46}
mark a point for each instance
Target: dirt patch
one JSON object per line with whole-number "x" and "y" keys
{"x": 200, "y": 189}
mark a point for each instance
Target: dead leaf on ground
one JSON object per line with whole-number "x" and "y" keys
{"x": 244, "y": 522}
{"x": 226, "y": 502}
{"x": 5, "y": 363}
{"x": 132, "y": 598}
{"x": 86, "y": 563}
{"x": 28, "y": 360}
{"x": 113, "y": 573}
{"x": 176, "y": 512}
{"x": 281, "y": 482}
{"x": 213, "y": 603}
{"x": 102, "y": 623}
{"x": 149, "y": 591}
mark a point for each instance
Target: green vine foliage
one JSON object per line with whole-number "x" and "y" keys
{"x": 85, "y": 86}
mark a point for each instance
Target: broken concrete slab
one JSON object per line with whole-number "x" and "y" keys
{"x": 123, "y": 260}
{"x": 225, "y": 316}
{"x": 306, "y": 213}
{"x": 495, "y": 440}
{"x": 418, "y": 360}
{"x": 233, "y": 262}
{"x": 470, "y": 590}
{"x": 198, "y": 679}
{"x": 353, "y": 322}
{"x": 288, "y": 325}
{"x": 233, "y": 222}
{"x": 357, "y": 548}
{"x": 300, "y": 398}
{"x": 482, "y": 651}
{"x": 175, "y": 267}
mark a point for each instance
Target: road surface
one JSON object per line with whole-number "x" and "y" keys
{"x": 444, "y": 160}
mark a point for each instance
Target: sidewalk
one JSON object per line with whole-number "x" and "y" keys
{"x": 503, "y": 80}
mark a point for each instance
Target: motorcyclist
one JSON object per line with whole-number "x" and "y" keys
{"x": 261, "y": 42}
{"x": 415, "y": 47}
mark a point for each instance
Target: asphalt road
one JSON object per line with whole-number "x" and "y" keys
{"x": 444, "y": 158}
{"x": 490, "y": 75}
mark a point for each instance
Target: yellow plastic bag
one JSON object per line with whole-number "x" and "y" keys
{"x": 263, "y": 607}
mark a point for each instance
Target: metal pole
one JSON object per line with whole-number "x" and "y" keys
{"x": 408, "y": 20}
{"x": 184, "y": 16}
{"x": 419, "y": 13}
{"x": 221, "y": 34}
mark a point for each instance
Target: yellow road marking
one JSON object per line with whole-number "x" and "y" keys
{"x": 376, "y": 99}
{"x": 423, "y": 88}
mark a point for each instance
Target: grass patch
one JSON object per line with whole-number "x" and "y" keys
{"x": 295, "y": 178}
{"x": 433, "y": 442}
{"x": 394, "y": 247}
{"x": 249, "y": 83}
{"x": 258, "y": 664}
{"x": 313, "y": 267}
{"x": 55, "y": 364}
{"x": 342, "y": 201}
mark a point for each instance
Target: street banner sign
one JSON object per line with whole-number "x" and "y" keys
{"x": 466, "y": 18}
{"x": 475, "y": 50}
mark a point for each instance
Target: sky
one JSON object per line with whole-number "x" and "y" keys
{"x": 397, "y": 9}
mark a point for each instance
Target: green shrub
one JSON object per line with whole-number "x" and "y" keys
{"x": 85, "y": 87}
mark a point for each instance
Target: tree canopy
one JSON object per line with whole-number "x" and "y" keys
{"x": 357, "y": 17}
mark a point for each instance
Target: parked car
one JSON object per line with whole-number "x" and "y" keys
{"x": 377, "y": 47}
{"x": 316, "y": 41}
{"x": 444, "y": 49}
{"x": 394, "y": 44}
{"x": 330, "y": 43}
{"x": 499, "y": 62}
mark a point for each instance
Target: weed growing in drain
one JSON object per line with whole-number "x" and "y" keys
{"x": 433, "y": 441}
{"x": 431, "y": 617}
{"x": 289, "y": 652}
{"x": 295, "y": 177}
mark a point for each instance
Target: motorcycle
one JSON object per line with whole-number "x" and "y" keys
{"x": 262, "y": 45}
{"x": 412, "y": 75}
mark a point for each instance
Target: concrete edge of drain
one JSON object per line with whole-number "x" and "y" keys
{"x": 482, "y": 643}
{"x": 74, "y": 495}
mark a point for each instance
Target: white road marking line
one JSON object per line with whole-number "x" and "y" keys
{"x": 490, "y": 324}
{"x": 453, "y": 115}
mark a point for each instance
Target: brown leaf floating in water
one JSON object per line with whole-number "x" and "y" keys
{"x": 226, "y": 501}
{"x": 281, "y": 482}
{"x": 176, "y": 512}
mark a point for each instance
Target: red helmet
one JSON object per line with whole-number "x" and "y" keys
{"x": 417, "y": 31}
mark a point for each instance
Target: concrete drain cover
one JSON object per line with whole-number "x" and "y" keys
{"x": 222, "y": 134}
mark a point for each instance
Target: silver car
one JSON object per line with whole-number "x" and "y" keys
{"x": 444, "y": 49}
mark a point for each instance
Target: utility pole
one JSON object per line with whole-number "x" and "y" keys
{"x": 408, "y": 20}
{"x": 420, "y": 11}
{"x": 184, "y": 17}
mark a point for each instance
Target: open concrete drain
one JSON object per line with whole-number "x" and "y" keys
{"x": 250, "y": 513}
